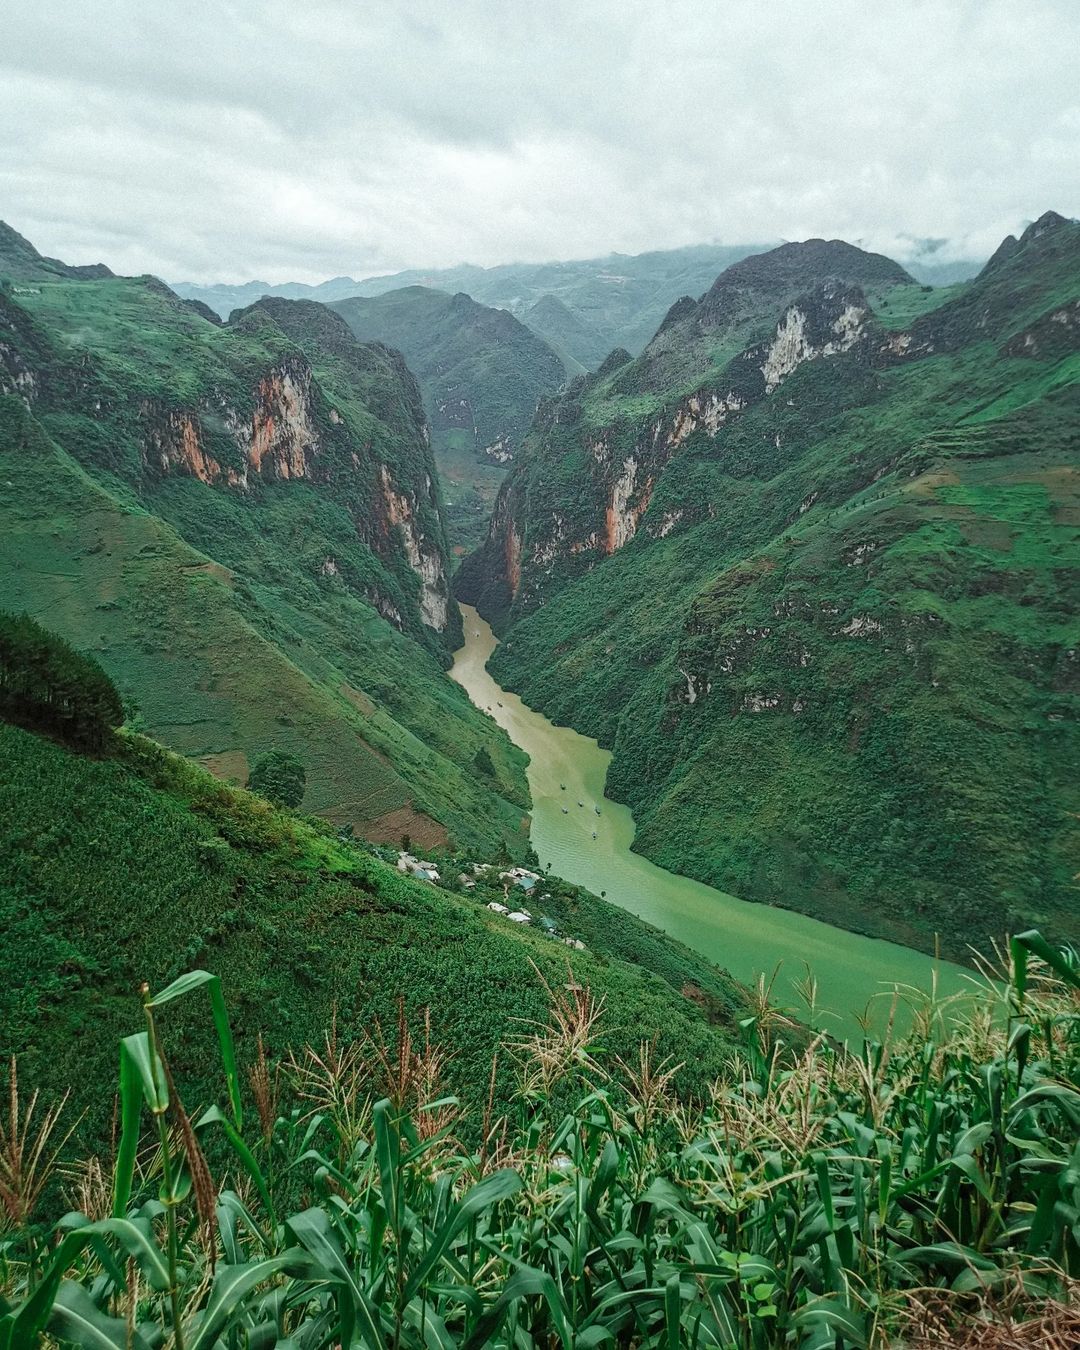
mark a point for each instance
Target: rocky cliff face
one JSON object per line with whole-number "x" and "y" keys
{"x": 276, "y": 439}
{"x": 618, "y": 466}
{"x": 344, "y": 420}
{"x": 809, "y": 567}
{"x": 242, "y": 522}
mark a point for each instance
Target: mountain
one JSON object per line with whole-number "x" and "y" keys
{"x": 481, "y": 374}
{"x": 581, "y": 346}
{"x": 620, "y": 297}
{"x": 22, "y": 262}
{"x": 242, "y": 523}
{"x": 809, "y": 565}
{"x": 223, "y": 297}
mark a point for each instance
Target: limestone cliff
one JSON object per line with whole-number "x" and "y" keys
{"x": 293, "y": 398}
{"x": 554, "y": 536}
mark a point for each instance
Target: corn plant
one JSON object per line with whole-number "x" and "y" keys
{"x": 815, "y": 1192}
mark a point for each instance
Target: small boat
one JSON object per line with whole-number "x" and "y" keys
{"x": 596, "y": 809}
{"x": 594, "y": 834}
{"x": 581, "y": 803}
{"x": 497, "y": 701}
{"x": 565, "y": 811}
{"x": 562, "y": 787}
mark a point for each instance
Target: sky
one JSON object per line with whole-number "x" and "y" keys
{"x": 300, "y": 140}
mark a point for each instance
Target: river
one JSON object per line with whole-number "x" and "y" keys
{"x": 593, "y": 851}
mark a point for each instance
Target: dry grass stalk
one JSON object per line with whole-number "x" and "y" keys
{"x": 264, "y": 1086}
{"x": 411, "y": 1074}
{"x": 560, "y": 1046}
{"x": 770, "y": 1020}
{"x": 333, "y": 1082}
{"x": 493, "y": 1133}
{"x": 1013, "y": 1319}
{"x": 88, "y": 1189}
{"x": 202, "y": 1183}
{"x": 28, "y": 1158}
{"x": 792, "y": 1116}
{"x": 649, "y": 1086}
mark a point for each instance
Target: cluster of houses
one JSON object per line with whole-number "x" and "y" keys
{"x": 547, "y": 926}
{"x": 511, "y": 876}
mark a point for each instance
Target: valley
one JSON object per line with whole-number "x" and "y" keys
{"x": 481, "y": 374}
{"x": 585, "y": 838}
{"x": 540, "y": 687}
{"x": 809, "y": 566}
{"x": 795, "y": 581}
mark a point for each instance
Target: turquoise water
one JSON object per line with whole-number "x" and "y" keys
{"x": 853, "y": 973}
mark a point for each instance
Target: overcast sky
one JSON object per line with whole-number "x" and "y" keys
{"x": 307, "y": 138}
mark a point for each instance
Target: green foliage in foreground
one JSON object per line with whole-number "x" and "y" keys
{"x": 140, "y": 866}
{"x": 799, "y": 1205}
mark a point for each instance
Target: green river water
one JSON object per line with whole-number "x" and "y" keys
{"x": 745, "y": 938}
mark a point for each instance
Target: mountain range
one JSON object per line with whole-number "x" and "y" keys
{"x": 810, "y": 566}
{"x": 615, "y": 301}
{"x": 806, "y": 562}
{"x": 242, "y": 522}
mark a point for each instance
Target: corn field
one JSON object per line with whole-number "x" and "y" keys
{"x": 821, "y": 1197}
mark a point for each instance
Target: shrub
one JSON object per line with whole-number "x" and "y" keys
{"x": 280, "y": 778}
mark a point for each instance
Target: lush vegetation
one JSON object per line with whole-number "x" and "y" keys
{"x": 258, "y": 611}
{"x": 280, "y": 778}
{"x": 46, "y": 684}
{"x": 139, "y": 865}
{"x": 812, "y": 1197}
{"x": 837, "y": 661}
{"x": 481, "y": 373}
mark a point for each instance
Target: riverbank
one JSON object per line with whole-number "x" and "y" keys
{"x": 592, "y": 849}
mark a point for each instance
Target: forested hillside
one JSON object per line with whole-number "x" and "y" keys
{"x": 242, "y": 523}
{"x": 810, "y": 565}
{"x": 481, "y": 374}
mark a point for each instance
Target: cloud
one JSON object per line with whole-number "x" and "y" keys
{"x": 281, "y": 141}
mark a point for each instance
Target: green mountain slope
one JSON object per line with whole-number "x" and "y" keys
{"x": 581, "y": 346}
{"x": 620, "y": 297}
{"x": 139, "y": 866}
{"x": 242, "y": 523}
{"x": 481, "y": 374}
{"x": 21, "y": 262}
{"x": 811, "y": 566}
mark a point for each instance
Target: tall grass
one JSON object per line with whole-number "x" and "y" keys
{"x": 815, "y": 1198}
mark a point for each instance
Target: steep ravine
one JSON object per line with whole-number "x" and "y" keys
{"x": 586, "y": 839}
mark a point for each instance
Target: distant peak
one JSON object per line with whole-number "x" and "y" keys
{"x": 615, "y": 361}
{"x": 809, "y": 261}
{"x": 1050, "y": 227}
{"x": 1049, "y": 220}
{"x": 686, "y": 304}
{"x": 9, "y": 234}
{"x": 20, "y": 259}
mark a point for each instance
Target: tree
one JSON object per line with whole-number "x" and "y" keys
{"x": 280, "y": 778}
{"x": 47, "y": 685}
{"x": 484, "y": 763}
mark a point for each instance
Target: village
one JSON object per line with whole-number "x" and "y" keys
{"x": 490, "y": 876}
